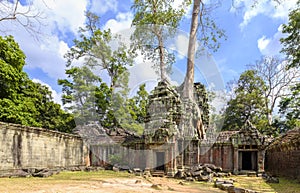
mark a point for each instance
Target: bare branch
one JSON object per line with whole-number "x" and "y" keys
{"x": 26, "y": 16}
{"x": 278, "y": 79}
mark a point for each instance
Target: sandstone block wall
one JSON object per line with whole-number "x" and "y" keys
{"x": 283, "y": 155}
{"x": 28, "y": 147}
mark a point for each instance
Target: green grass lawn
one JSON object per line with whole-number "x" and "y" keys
{"x": 258, "y": 184}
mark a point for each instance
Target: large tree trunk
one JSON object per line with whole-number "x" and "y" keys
{"x": 161, "y": 56}
{"x": 189, "y": 78}
{"x": 188, "y": 87}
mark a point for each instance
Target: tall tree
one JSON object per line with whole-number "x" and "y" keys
{"x": 204, "y": 27}
{"x": 277, "y": 77}
{"x": 289, "y": 107}
{"x": 291, "y": 43}
{"x": 95, "y": 46}
{"x": 248, "y": 103}
{"x": 154, "y": 21}
{"x": 101, "y": 51}
{"x": 80, "y": 92}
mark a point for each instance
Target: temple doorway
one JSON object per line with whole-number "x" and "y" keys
{"x": 248, "y": 160}
{"x": 160, "y": 161}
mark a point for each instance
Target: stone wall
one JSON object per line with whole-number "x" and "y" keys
{"x": 220, "y": 155}
{"x": 28, "y": 147}
{"x": 283, "y": 155}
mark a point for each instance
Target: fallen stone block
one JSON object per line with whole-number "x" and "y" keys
{"x": 19, "y": 173}
{"x": 226, "y": 186}
{"x": 272, "y": 180}
{"x": 190, "y": 179}
{"x": 43, "y": 174}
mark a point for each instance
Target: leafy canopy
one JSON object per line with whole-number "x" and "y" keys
{"x": 23, "y": 101}
{"x": 248, "y": 103}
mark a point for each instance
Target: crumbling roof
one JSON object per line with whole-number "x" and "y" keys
{"x": 224, "y": 136}
{"x": 291, "y": 139}
{"x": 95, "y": 134}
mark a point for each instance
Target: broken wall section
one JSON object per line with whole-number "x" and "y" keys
{"x": 23, "y": 147}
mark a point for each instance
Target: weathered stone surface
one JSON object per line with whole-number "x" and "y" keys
{"x": 25, "y": 147}
{"x": 270, "y": 179}
{"x": 180, "y": 175}
{"x": 251, "y": 174}
{"x": 226, "y": 186}
{"x": 43, "y": 174}
{"x": 283, "y": 155}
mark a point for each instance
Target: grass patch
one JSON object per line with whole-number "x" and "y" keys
{"x": 65, "y": 177}
{"x": 80, "y": 175}
{"x": 258, "y": 184}
{"x": 286, "y": 186}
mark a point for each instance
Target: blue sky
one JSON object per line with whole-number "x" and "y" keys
{"x": 251, "y": 33}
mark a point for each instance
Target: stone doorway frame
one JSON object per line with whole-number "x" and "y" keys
{"x": 252, "y": 164}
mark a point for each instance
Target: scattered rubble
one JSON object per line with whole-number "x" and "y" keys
{"x": 227, "y": 185}
{"x": 201, "y": 172}
{"x": 45, "y": 172}
{"x": 270, "y": 179}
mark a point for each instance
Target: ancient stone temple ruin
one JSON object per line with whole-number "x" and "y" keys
{"x": 169, "y": 144}
{"x": 237, "y": 151}
{"x": 175, "y": 138}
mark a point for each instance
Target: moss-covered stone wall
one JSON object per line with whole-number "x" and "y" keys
{"x": 283, "y": 155}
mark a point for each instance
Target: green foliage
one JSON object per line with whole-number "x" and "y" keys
{"x": 131, "y": 112}
{"x": 94, "y": 45}
{"x": 155, "y": 22}
{"x": 291, "y": 43}
{"x": 248, "y": 104}
{"x": 23, "y": 101}
{"x": 80, "y": 92}
{"x": 141, "y": 101}
{"x": 11, "y": 54}
{"x": 289, "y": 107}
{"x": 92, "y": 99}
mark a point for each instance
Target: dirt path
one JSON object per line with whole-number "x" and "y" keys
{"x": 111, "y": 185}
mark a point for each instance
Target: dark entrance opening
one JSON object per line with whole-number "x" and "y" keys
{"x": 249, "y": 160}
{"x": 160, "y": 161}
{"x": 246, "y": 160}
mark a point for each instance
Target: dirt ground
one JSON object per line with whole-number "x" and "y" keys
{"x": 123, "y": 182}
{"x": 98, "y": 184}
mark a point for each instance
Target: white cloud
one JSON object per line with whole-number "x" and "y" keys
{"x": 56, "y": 96}
{"x": 65, "y": 15}
{"x": 103, "y": 6}
{"x": 120, "y": 23}
{"x": 270, "y": 46}
{"x": 269, "y": 8}
{"x": 262, "y": 43}
{"x": 47, "y": 56}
